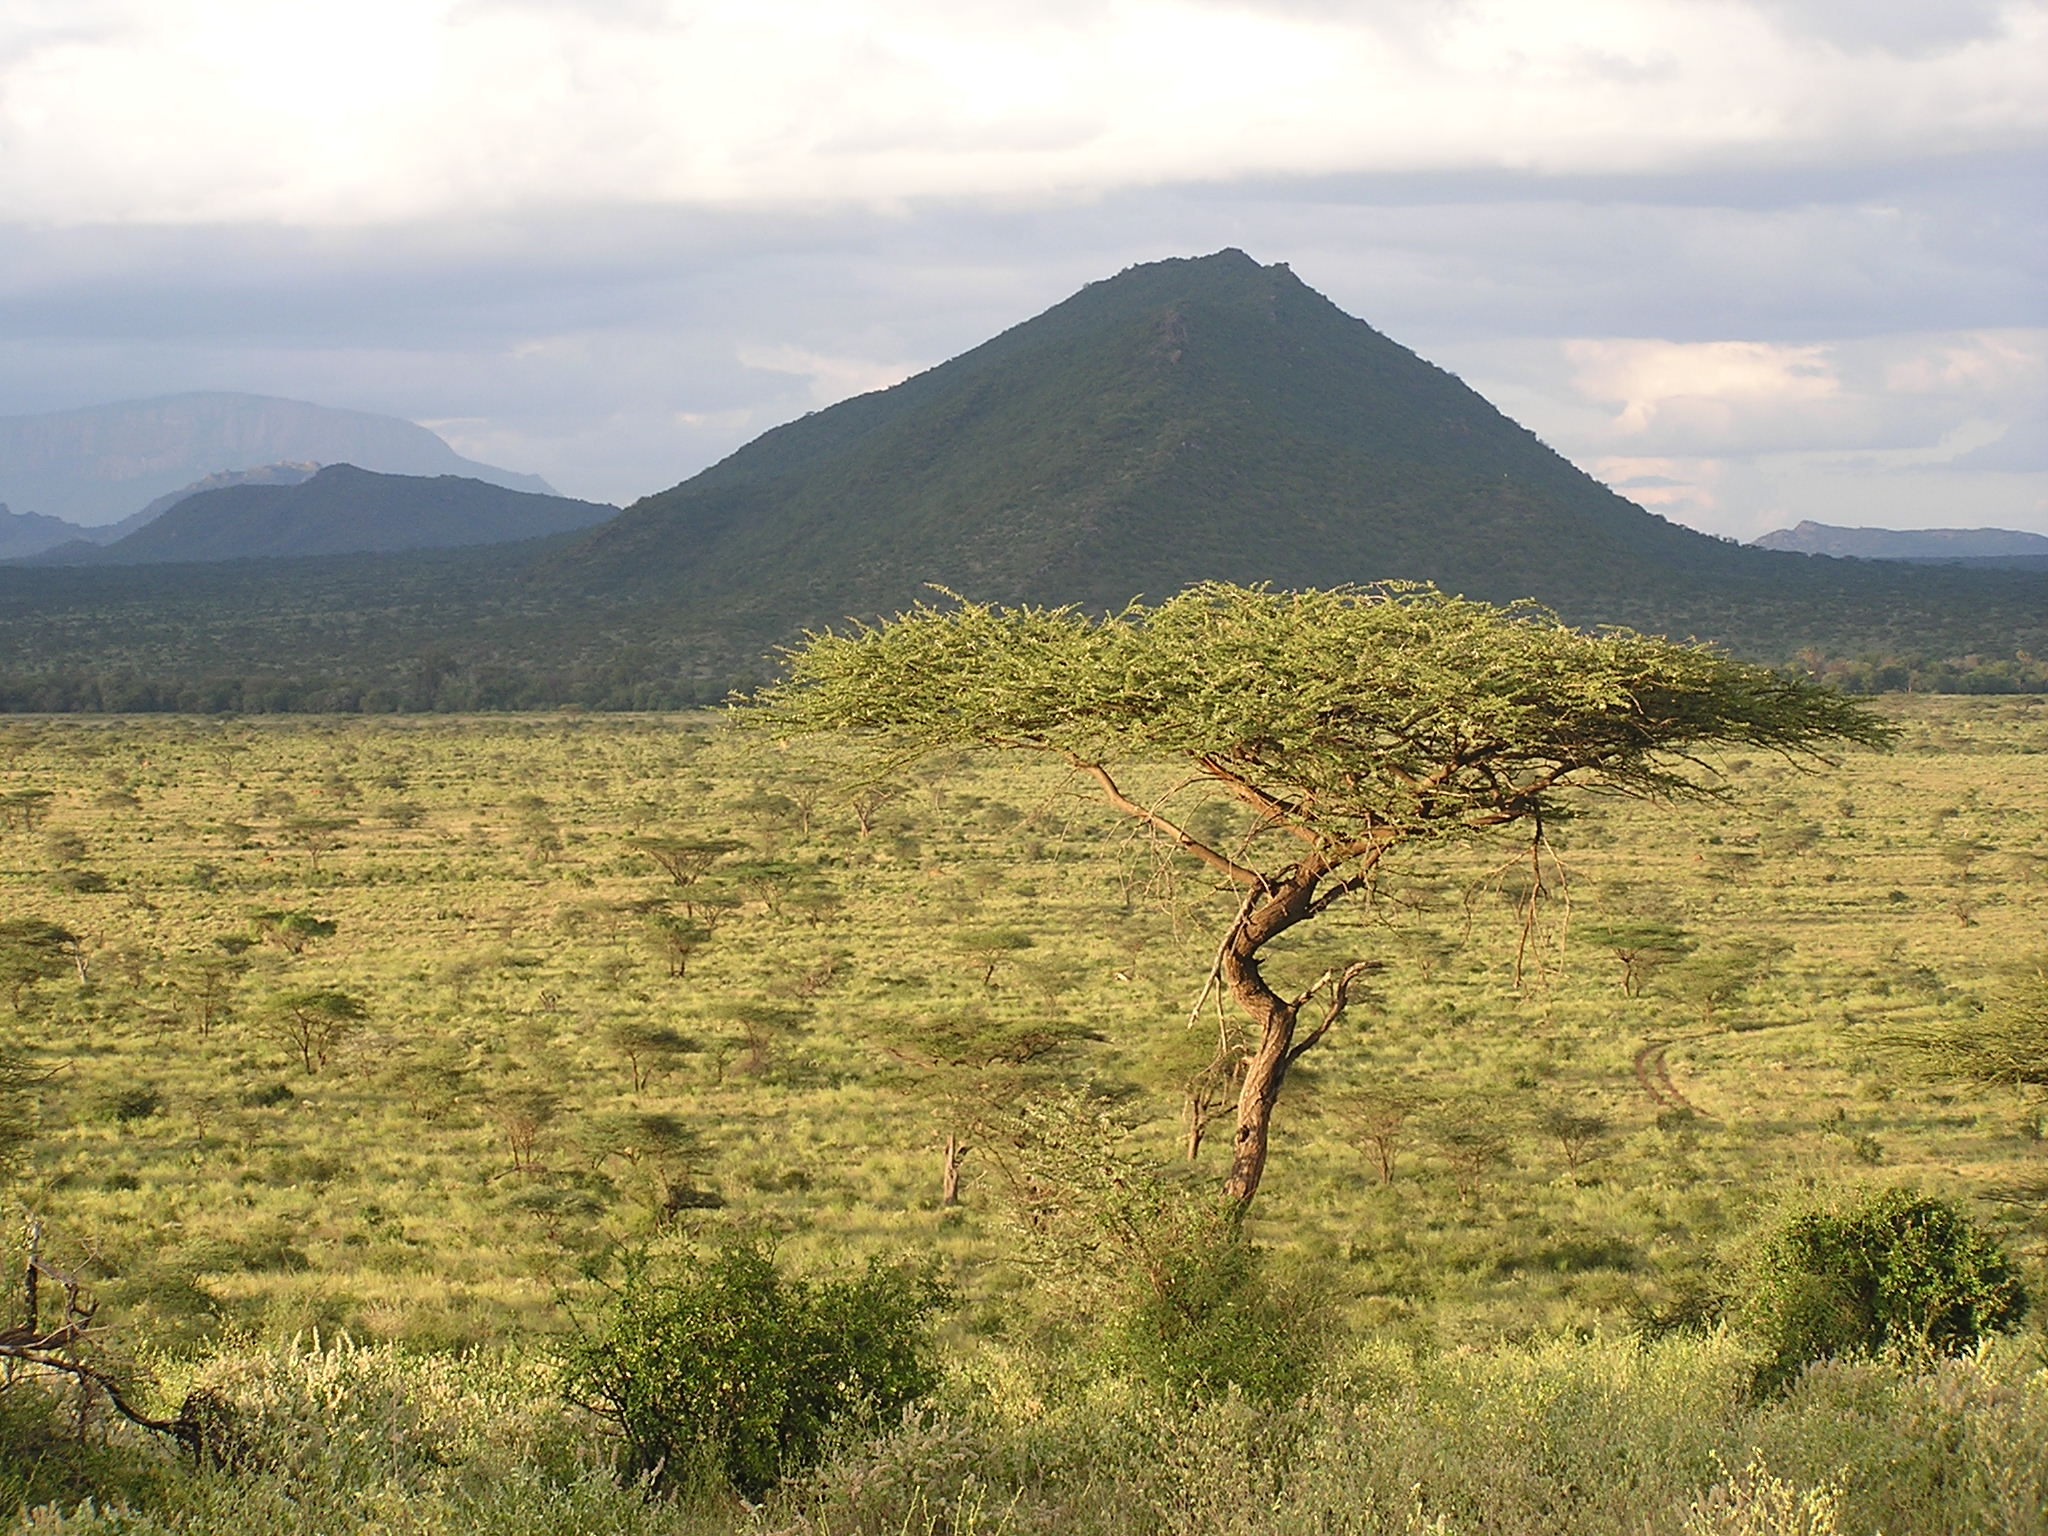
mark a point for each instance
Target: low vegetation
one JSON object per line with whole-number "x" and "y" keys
{"x": 350, "y": 1056}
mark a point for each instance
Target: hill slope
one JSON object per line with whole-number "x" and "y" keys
{"x": 1190, "y": 419}
{"x": 1811, "y": 538}
{"x": 104, "y": 462}
{"x": 341, "y": 510}
{"x": 30, "y": 533}
{"x": 1187, "y": 419}
{"x": 262, "y": 474}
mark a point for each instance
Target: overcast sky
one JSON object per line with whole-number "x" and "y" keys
{"x": 1748, "y": 260}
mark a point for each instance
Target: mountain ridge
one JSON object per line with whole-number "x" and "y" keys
{"x": 1195, "y": 418}
{"x": 339, "y": 510}
{"x": 98, "y": 464}
{"x": 1943, "y": 544}
{"x": 1201, "y": 418}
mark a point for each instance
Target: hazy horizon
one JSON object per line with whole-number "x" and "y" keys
{"x": 1748, "y": 261}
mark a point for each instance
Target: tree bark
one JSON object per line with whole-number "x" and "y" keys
{"x": 1273, "y": 1015}
{"x": 1265, "y": 1070}
{"x": 949, "y": 1176}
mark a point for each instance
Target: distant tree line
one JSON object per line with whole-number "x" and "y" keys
{"x": 460, "y": 689}
{"x": 2021, "y": 673}
{"x": 644, "y": 679}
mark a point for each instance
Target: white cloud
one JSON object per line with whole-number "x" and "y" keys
{"x": 320, "y": 112}
{"x": 1739, "y": 437}
{"x": 1749, "y": 397}
{"x": 1717, "y": 390}
{"x": 832, "y": 379}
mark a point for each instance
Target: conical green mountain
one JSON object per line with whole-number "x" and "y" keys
{"x": 1183, "y": 420}
{"x": 1186, "y": 420}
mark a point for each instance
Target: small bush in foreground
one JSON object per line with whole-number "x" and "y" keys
{"x": 720, "y": 1364}
{"x": 1893, "y": 1269}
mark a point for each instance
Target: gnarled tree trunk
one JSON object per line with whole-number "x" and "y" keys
{"x": 1288, "y": 901}
{"x": 1273, "y": 1016}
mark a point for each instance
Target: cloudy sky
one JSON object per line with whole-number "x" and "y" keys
{"x": 1748, "y": 260}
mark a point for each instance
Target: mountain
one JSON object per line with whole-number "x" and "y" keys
{"x": 1215, "y": 418}
{"x": 338, "y": 510}
{"x": 30, "y": 533}
{"x": 262, "y": 474}
{"x": 1972, "y": 544}
{"x": 99, "y": 464}
{"x": 52, "y": 541}
{"x": 1189, "y": 419}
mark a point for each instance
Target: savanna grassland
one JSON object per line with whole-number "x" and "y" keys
{"x": 609, "y": 979}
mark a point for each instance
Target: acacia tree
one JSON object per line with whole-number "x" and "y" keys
{"x": 1640, "y": 947}
{"x": 33, "y": 949}
{"x": 1352, "y": 724}
{"x": 2005, "y": 1045}
{"x": 969, "y": 1069}
{"x": 314, "y": 1021}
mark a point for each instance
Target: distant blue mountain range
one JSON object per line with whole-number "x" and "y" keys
{"x": 109, "y": 463}
{"x": 1975, "y": 546}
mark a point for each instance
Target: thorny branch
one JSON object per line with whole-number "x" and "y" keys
{"x": 202, "y": 1426}
{"x": 1339, "y": 983}
{"x": 1179, "y": 835}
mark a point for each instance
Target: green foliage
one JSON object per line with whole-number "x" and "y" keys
{"x": 1714, "y": 977}
{"x": 44, "y": 1458}
{"x": 292, "y": 931}
{"x": 718, "y": 1363}
{"x": 988, "y": 948}
{"x": 1351, "y": 711}
{"x": 33, "y": 949}
{"x": 1185, "y": 1300}
{"x": 1214, "y": 1319}
{"x": 131, "y": 1102}
{"x": 1640, "y": 947}
{"x": 1890, "y": 1269}
{"x": 2006, "y": 1044}
{"x": 675, "y": 938}
{"x": 1567, "y": 1437}
{"x": 648, "y": 1048}
{"x": 314, "y": 1021}
{"x": 685, "y": 860}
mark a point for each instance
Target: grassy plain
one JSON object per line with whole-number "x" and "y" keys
{"x": 447, "y": 1173}
{"x": 509, "y": 1108}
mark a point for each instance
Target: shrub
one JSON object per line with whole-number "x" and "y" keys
{"x": 1892, "y": 1269}
{"x": 719, "y": 1364}
{"x": 45, "y": 1453}
{"x": 1159, "y": 1270}
{"x": 135, "y": 1101}
{"x": 1212, "y": 1318}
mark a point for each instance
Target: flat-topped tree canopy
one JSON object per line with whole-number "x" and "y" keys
{"x": 1393, "y": 707}
{"x": 1355, "y": 719}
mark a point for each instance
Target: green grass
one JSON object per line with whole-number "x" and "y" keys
{"x": 467, "y": 1159}
{"x": 205, "y": 1181}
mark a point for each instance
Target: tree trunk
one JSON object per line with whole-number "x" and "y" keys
{"x": 1265, "y": 1070}
{"x": 949, "y": 1175}
{"x": 31, "y": 1281}
{"x": 1274, "y": 1017}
